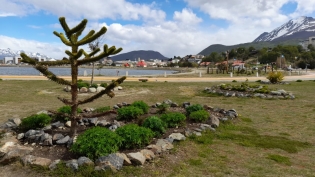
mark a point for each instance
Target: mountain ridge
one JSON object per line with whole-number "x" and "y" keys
{"x": 142, "y": 54}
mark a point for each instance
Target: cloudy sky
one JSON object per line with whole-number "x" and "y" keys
{"x": 172, "y": 27}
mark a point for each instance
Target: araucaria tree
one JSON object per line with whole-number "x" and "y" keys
{"x": 76, "y": 57}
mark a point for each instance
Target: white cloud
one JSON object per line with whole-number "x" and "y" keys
{"x": 91, "y": 9}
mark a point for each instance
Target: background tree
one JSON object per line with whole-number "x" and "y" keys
{"x": 93, "y": 46}
{"x": 70, "y": 38}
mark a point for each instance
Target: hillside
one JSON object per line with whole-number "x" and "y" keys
{"x": 142, "y": 54}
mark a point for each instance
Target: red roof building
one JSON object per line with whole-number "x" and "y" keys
{"x": 142, "y": 63}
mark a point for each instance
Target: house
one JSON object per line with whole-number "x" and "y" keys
{"x": 205, "y": 64}
{"x": 238, "y": 64}
{"x": 142, "y": 63}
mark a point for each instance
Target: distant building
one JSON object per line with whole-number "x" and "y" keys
{"x": 142, "y": 63}
{"x": 305, "y": 43}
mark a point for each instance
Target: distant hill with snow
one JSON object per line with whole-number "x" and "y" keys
{"x": 11, "y": 53}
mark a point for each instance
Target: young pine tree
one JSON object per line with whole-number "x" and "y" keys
{"x": 76, "y": 57}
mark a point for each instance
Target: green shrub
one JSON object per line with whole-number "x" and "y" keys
{"x": 142, "y": 105}
{"x": 96, "y": 142}
{"x": 82, "y": 84}
{"x": 94, "y": 85}
{"x": 103, "y": 85}
{"x": 258, "y": 81}
{"x": 162, "y": 108}
{"x": 193, "y": 108}
{"x": 65, "y": 110}
{"x": 155, "y": 124}
{"x": 35, "y": 121}
{"x": 173, "y": 119}
{"x": 199, "y": 116}
{"x": 102, "y": 109}
{"x": 134, "y": 136}
{"x": 129, "y": 113}
{"x": 234, "y": 81}
{"x": 0, "y": 79}
{"x": 275, "y": 77}
{"x": 299, "y": 80}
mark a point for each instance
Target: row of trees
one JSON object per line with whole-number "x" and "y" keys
{"x": 294, "y": 55}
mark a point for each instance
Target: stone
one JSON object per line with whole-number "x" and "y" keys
{"x": 20, "y": 136}
{"x": 148, "y": 154}
{"x": 112, "y": 160}
{"x": 177, "y": 136}
{"x": 119, "y": 88}
{"x": 13, "y": 153}
{"x": 57, "y": 137}
{"x": 136, "y": 158}
{"x": 126, "y": 159}
{"x": 48, "y": 142}
{"x": 67, "y": 88}
{"x": 83, "y": 90}
{"x": 116, "y": 107}
{"x": 16, "y": 121}
{"x": 33, "y": 160}
{"x": 99, "y": 89}
{"x": 44, "y": 136}
{"x": 155, "y": 149}
{"x": 174, "y": 105}
{"x": 197, "y": 133}
{"x": 186, "y": 104}
{"x": 63, "y": 140}
{"x": 215, "y": 122}
{"x": 92, "y": 90}
{"x": 29, "y": 133}
{"x": 93, "y": 121}
{"x": 48, "y": 127}
{"x": 68, "y": 124}
{"x": 57, "y": 124}
{"x": 164, "y": 144}
{"x": 85, "y": 161}
{"x": 10, "y": 125}
{"x": 103, "y": 123}
{"x": 197, "y": 129}
{"x": 73, "y": 164}
{"x": 53, "y": 165}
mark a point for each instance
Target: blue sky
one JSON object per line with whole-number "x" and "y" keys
{"x": 172, "y": 27}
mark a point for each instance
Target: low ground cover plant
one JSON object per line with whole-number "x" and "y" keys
{"x": 102, "y": 109}
{"x": 96, "y": 142}
{"x": 65, "y": 110}
{"x": 162, "y": 108}
{"x": 35, "y": 121}
{"x": 173, "y": 119}
{"x": 155, "y": 124}
{"x": 129, "y": 113}
{"x": 193, "y": 108}
{"x": 142, "y": 105}
{"x": 134, "y": 136}
{"x": 199, "y": 116}
{"x": 275, "y": 77}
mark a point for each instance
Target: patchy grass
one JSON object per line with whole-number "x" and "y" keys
{"x": 279, "y": 159}
{"x": 237, "y": 148}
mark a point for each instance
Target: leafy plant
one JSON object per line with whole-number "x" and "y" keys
{"x": 193, "y": 108}
{"x": 234, "y": 81}
{"x": 275, "y": 77}
{"x": 199, "y": 116}
{"x": 129, "y": 113}
{"x": 162, "y": 108}
{"x": 299, "y": 80}
{"x": 103, "y": 85}
{"x": 142, "y": 105}
{"x": 83, "y": 84}
{"x": 134, "y": 136}
{"x": 173, "y": 119}
{"x": 279, "y": 159}
{"x": 35, "y": 121}
{"x": 65, "y": 110}
{"x": 96, "y": 142}
{"x": 155, "y": 124}
{"x": 102, "y": 109}
{"x": 94, "y": 85}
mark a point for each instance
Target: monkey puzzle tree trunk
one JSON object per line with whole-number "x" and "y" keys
{"x": 74, "y": 93}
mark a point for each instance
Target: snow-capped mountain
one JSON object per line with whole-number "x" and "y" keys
{"x": 300, "y": 28}
{"x": 11, "y": 53}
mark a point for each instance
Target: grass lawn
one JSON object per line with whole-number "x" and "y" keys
{"x": 270, "y": 138}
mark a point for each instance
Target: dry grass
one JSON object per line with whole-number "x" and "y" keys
{"x": 232, "y": 151}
